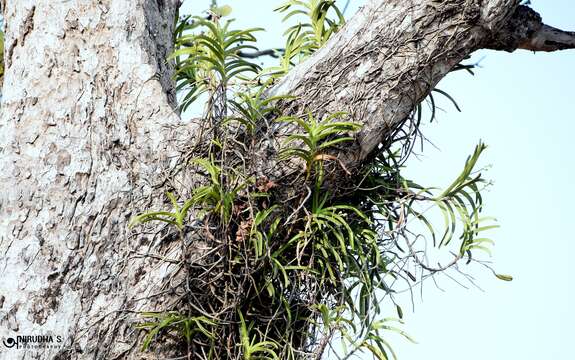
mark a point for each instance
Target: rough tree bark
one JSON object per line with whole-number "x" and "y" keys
{"x": 88, "y": 132}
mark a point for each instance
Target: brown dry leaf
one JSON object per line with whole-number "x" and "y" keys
{"x": 265, "y": 185}
{"x": 243, "y": 230}
{"x": 324, "y": 157}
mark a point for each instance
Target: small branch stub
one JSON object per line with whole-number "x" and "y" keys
{"x": 526, "y": 30}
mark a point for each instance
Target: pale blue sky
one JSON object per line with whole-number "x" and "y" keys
{"x": 521, "y": 105}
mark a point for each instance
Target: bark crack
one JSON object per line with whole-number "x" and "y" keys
{"x": 25, "y": 29}
{"x": 27, "y": 25}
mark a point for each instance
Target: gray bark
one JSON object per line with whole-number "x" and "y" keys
{"x": 89, "y": 135}
{"x": 86, "y": 130}
{"x": 392, "y": 53}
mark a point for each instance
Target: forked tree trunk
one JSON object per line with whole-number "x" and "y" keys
{"x": 89, "y": 137}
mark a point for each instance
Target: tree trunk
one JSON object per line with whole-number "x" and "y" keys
{"x": 89, "y": 137}
{"x": 87, "y": 131}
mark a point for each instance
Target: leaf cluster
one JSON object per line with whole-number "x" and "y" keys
{"x": 284, "y": 274}
{"x": 315, "y": 22}
{"x": 206, "y": 56}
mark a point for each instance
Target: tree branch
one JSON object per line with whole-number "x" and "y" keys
{"x": 275, "y": 53}
{"x": 390, "y": 56}
{"x": 549, "y": 38}
{"x": 526, "y": 30}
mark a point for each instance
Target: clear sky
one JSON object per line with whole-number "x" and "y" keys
{"x": 521, "y": 105}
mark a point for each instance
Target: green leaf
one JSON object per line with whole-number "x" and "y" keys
{"x": 399, "y": 311}
{"x": 504, "y": 277}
